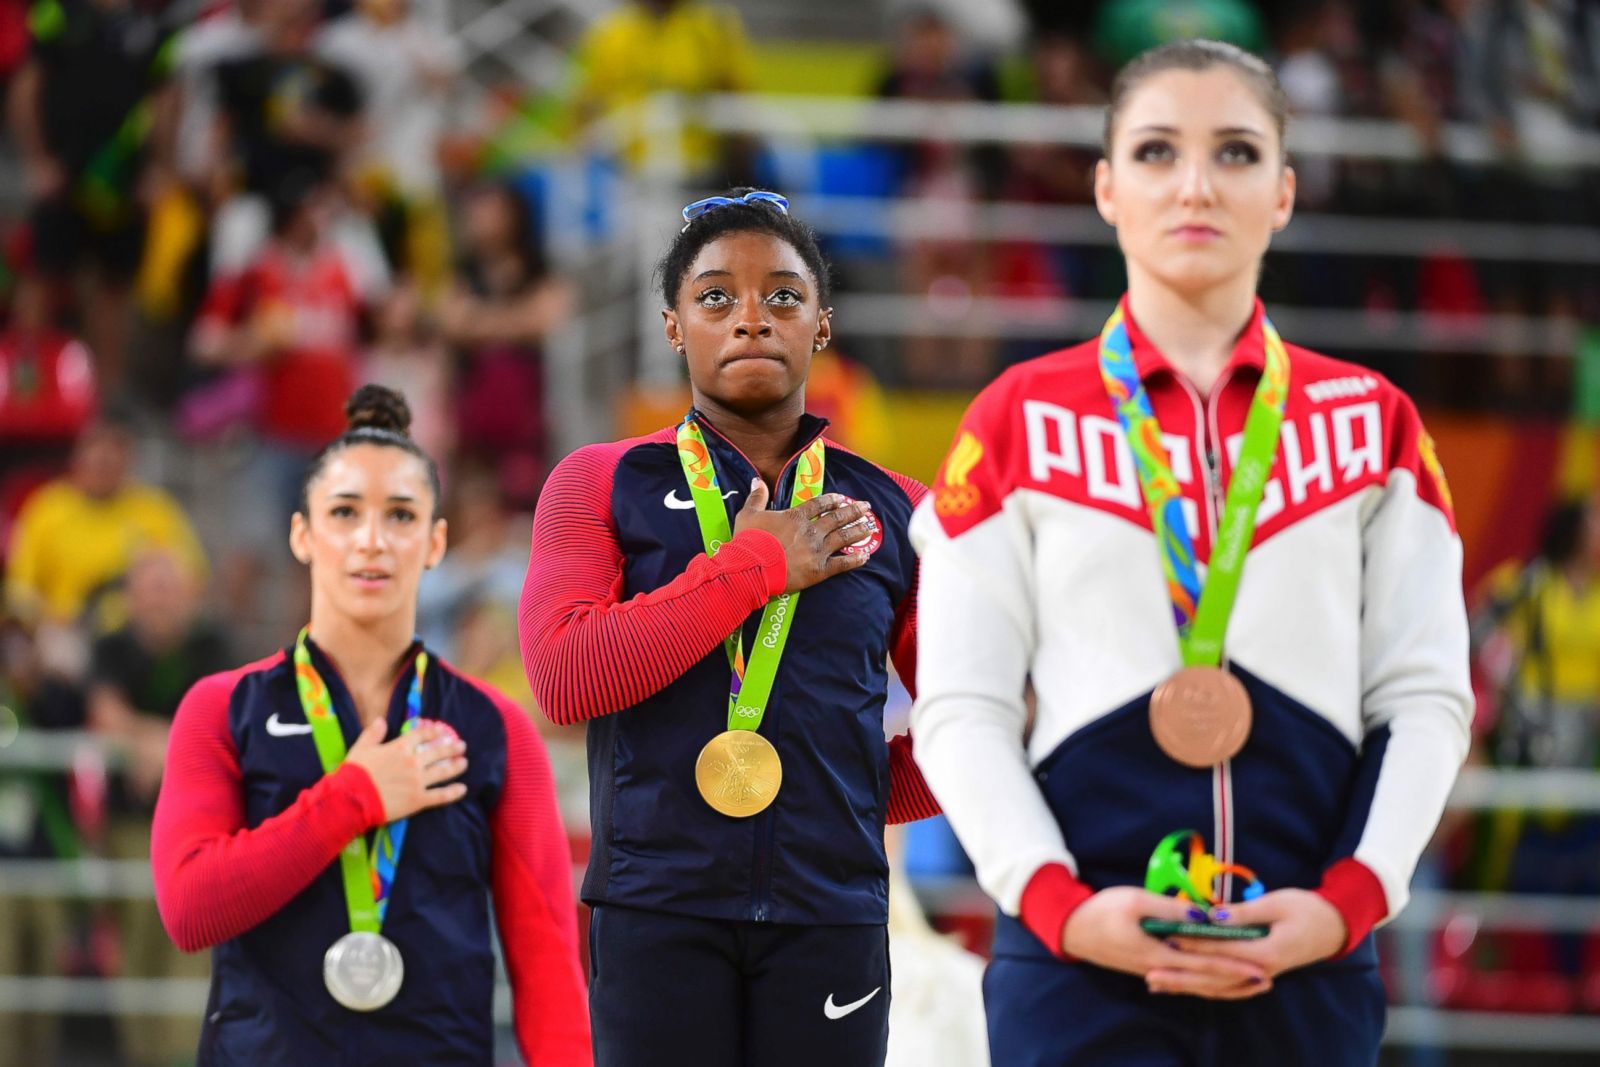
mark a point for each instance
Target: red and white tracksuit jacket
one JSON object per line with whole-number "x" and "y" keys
{"x": 1038, "y": 564}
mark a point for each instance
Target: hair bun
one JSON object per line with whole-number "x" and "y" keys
{"x": 377, "y": 407}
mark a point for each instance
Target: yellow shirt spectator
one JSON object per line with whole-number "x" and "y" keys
{"x": 77, "y": 534}
{"x": 68, "y": 545}
{"x": 664, "y": 46}
{"x": 1554, "y": 627}
{"x": 1538, "y": 643}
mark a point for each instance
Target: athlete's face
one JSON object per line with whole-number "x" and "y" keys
{"x": 1195, "y": 183}
{"x": 748, "y": 321}
{"x": 369, "y": 533}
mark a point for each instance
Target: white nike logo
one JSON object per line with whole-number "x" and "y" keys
{"x": 286, "y": 729}
{"x": 839, "y": 1011}
{"x": 675, "y": 504}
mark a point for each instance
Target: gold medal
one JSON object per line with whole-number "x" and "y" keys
{"x": 1200, "y": 716}
{"x": 738, "y": 773}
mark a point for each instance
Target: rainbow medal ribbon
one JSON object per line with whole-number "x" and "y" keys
{"x": 738, "y": 772}
{"x": 363, "y": 969}
{"x": 1200, "y": 716}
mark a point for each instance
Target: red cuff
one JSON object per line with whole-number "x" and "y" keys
{"x": 1351, "y": 887}
{"x": 356, "y": 782}
{"x": 767, "y": 550}
{"x": 1051, "y": 896}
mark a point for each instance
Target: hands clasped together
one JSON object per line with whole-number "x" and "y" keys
{"x": 1303, "y": 928}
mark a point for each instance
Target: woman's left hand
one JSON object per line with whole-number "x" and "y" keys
{"x": 1302, "y": 928}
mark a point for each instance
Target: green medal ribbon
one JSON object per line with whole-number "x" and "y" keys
{"x": 751, "y": 686}
{"x": 1202, "y": 620}
{"x": 368, "y": 873}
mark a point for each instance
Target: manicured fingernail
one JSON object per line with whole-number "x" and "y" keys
{"x": 1196, "y": 915}
{"x": 1221, "y": 915}
{"x": 1255, "y": 980}
{"x": 1174, "y": 944}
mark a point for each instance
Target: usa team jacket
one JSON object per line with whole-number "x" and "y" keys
{"x": 245, "y": 851}
{"x": 1349, "y": 633}
{"x": 623, "y": 618}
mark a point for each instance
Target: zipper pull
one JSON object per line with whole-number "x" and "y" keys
{"x": 1214, "y": 484}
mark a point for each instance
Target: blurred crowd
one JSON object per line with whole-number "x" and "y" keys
{"x": 233, "y": 214}
{"x": 1536, "y": 663}
{"x": 1524, "y": 74}
{"x": 225, "y": 215}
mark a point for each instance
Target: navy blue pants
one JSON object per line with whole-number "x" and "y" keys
{"x": 669, "y": 990}
{"x": 1045, "y": 1013}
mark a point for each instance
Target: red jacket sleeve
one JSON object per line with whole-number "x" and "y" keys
{"x": 214, "y": 878}
{"x": 586, "y": 652}
{"x": 1048, "y": 901}
{"x": 531, "y": 874}
{"x": 909, "y": 796}
{"x": 1352, "y": 888}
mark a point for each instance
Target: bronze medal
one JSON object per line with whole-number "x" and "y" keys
{"x": 738, "y": 773}
{"x": 1200, "y": 716}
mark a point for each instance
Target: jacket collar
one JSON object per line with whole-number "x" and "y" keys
{"x": 339, "y": 691}
{"x": 1248, "y": 351}
{"x": 811, "y": 427}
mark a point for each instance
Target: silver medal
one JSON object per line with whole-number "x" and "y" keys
{"x": 363, "y": 971}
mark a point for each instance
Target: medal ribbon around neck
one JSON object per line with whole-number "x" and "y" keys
{"x": 751, "y": 686}
{"x": 1202, "y": 620}
{"x": 368, "y": 875}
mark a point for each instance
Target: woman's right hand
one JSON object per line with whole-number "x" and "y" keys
{"x": 1105, "y": 930}
{"x": 812, "y": 534}
{"x": 407, "y": 769}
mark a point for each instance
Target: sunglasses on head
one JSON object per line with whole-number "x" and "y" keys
{"x": 693, "y": 211}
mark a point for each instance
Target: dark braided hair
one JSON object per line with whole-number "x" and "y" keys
{"x": 377, "y": 415}
{"x": 741, "y": 218}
